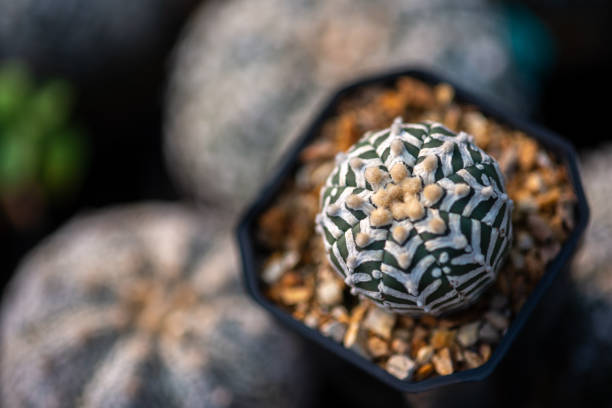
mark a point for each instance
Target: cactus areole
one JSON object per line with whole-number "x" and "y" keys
{"x": 416, "y": 218}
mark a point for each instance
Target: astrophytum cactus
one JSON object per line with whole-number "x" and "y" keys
{"x": 416, "y": 218}
{"x": 140, "y": 306}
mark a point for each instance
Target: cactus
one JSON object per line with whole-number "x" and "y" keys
{"x": 274, "y": 76}
{"x": 416, "y": 218}
{"x": 140, "y": 306}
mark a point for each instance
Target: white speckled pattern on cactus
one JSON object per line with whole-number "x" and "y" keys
{"x": 416, "y": 218}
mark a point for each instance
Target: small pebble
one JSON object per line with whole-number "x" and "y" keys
{"x": 549, "y": 199}
{"x": 424, "y": 371}
{"x": 444, "y": 93}
{"x": 534, "y": 183}
{"x": 377, "y": 347}
{"x": 497, "y": 320}
{"x": 295, "y": 295}
{"x": 340, "y": 314}
{"x": 406, "y": 321}
{"x": 379, "y": 322}
{"x": 485, "y": 352}
{"x": 442, "y": 338}
{"x": 447, "y": 323}
{"x": 401, "y": 333}
{"x": 488, "y": 333}
{"x": 424, "y": 355}
{"x": 548, "y": 252}
{"x": 429, "y": 321}
{"x": 527, "y": 153}
{"x": 318, "y": 151}
{"x": 508, "y": 161}
{"x": 420, "y": 333}
{"x": 354, "y": 324}
{"x": 472, "y": 359}
{"x": 452, "y": 116}
{"x": 400, "y": 346}
{"x": 467, "y": 335}
{"x": 544, "y": 160}
{"x": 442, "y": 362}
{"x": 526, "y": 204}
{"x": 457, "y": 353}
{"x": 416, "y": 345}
{"x": 311, "y": 320}
{"x": 400, "y": 366}
{"x": 275, "y": 268}
{"x": 524, "y": 241}
{"x": 359, "y": 346}
{"x": 329, "y": 292}
{"x": 539, "y": 227}
{"x": 517, "y": 259}
{"x": 335, "y": 330}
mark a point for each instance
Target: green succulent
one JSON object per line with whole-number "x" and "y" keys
{"x": 416, "y": 218}
{"x": 39, "y": 146}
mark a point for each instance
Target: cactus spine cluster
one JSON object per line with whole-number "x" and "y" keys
{"x": 416, "y": 218}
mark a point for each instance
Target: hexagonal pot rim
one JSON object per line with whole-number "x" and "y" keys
{"x": 245, "y": 229}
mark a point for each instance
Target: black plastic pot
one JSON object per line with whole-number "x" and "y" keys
{"x": 252, "y": 256}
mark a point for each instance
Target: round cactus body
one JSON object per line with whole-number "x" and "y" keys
{"x": 274, "y": 71}
{"x": 416, "y": 218}
{"x": 141, "y": 307}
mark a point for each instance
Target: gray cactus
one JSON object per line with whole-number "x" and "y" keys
{"x": 141, "y": 306}
{"x": 274, "y": 71}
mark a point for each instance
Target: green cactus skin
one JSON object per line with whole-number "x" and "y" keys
{"x": 416, "y": 218}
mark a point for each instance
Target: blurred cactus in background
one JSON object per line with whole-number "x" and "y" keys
{"x": 140, "y": 306}
{"x": 42, "y": 153}
{"x": 272, "y": 63}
